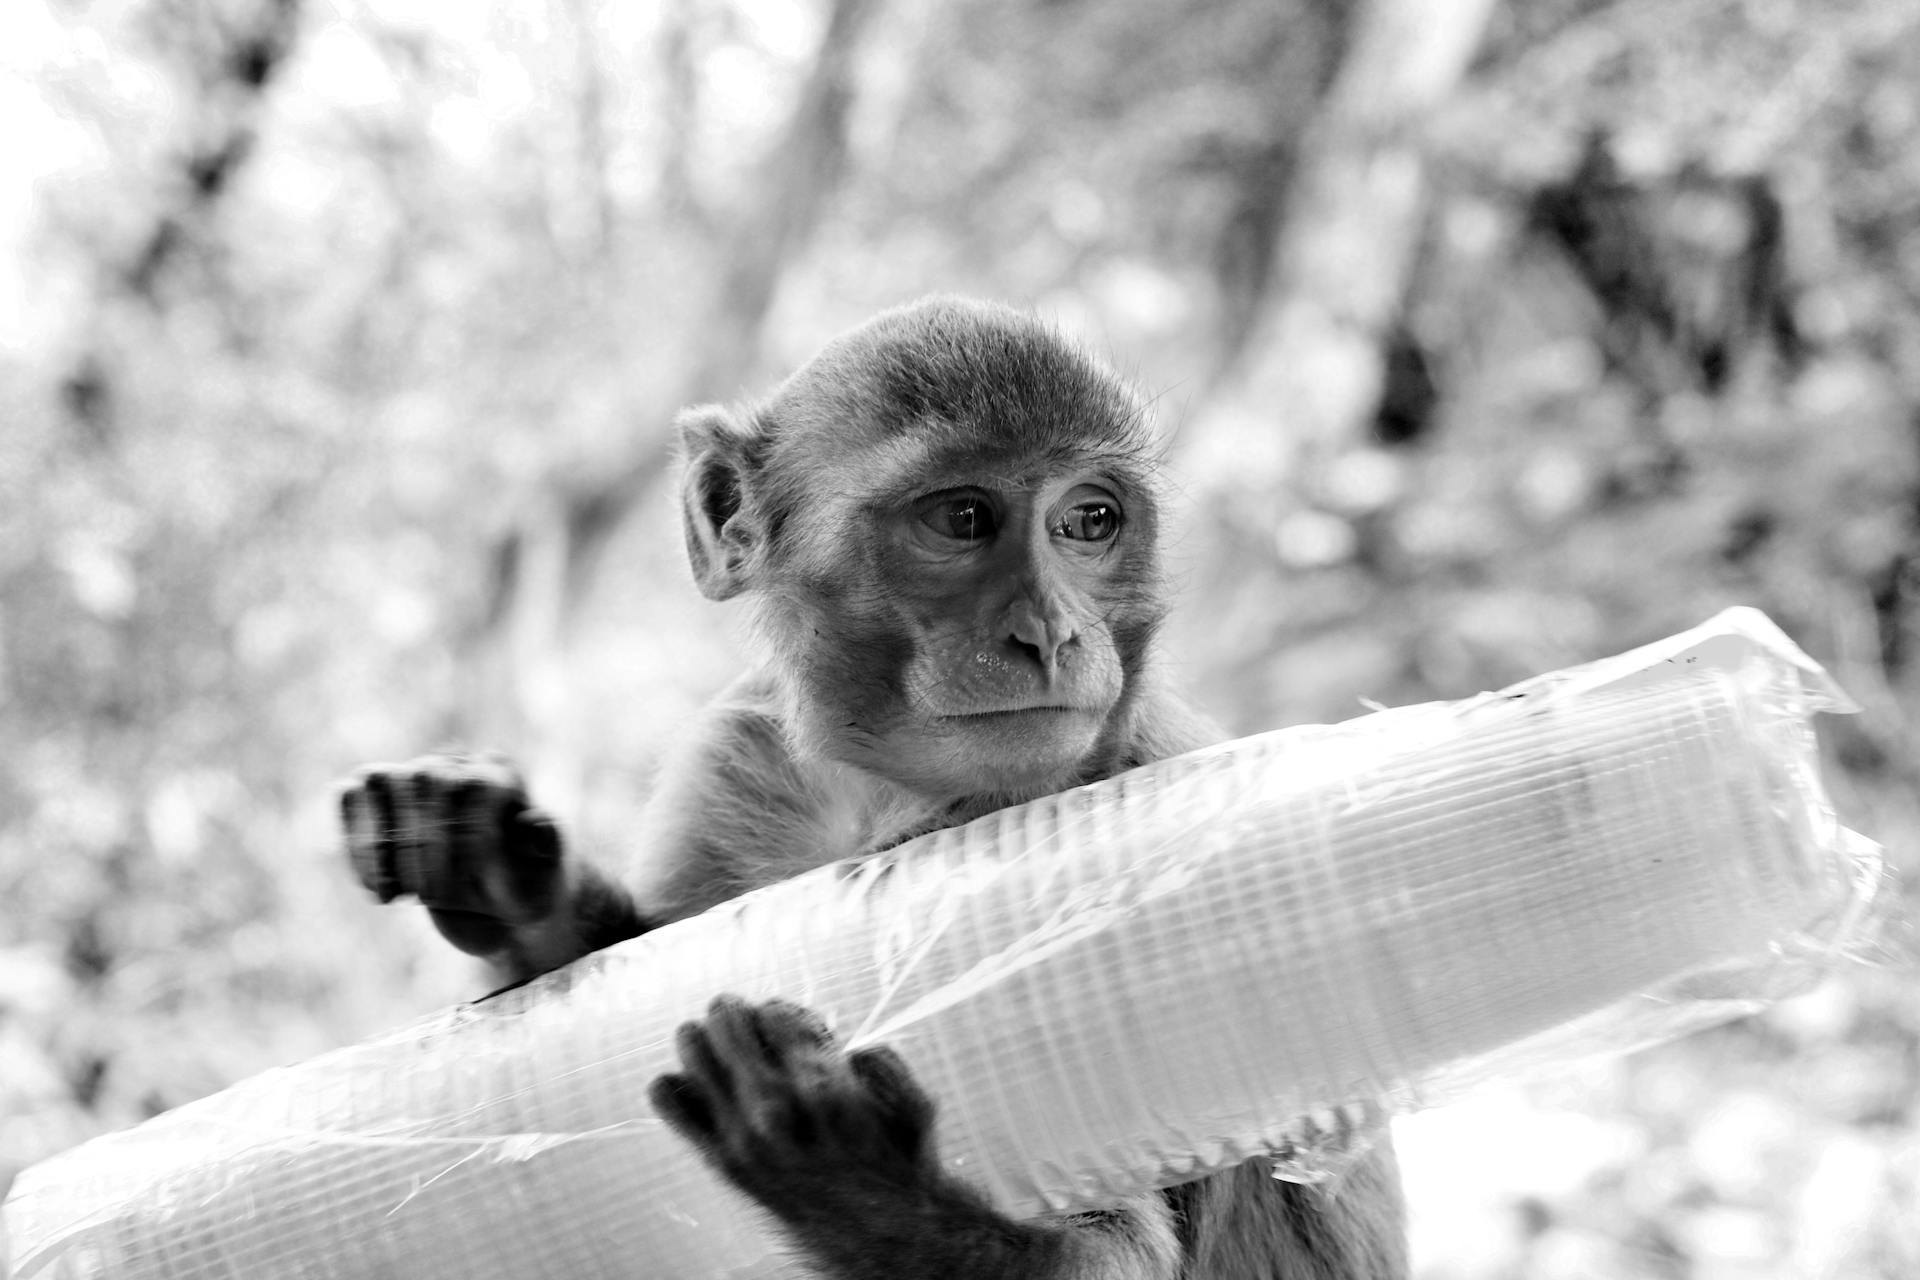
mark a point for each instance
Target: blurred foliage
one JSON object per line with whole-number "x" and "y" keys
{"x": 339, "y": 349}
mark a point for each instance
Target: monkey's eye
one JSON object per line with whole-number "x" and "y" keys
{"x": 1089, "y": 522}
{"x": 965, "y": 516}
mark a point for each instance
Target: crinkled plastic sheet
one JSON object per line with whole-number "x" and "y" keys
{"x": 1255, "y": 950}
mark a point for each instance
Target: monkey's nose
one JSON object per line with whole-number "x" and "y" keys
{"x": 1041, "y": 636}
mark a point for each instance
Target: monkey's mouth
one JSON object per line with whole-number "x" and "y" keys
{"x": 1018, "y": 715}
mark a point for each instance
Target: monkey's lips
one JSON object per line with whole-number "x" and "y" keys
{"x": 1020, "y": 715}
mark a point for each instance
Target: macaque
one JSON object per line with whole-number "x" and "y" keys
{"x": 947, "y": 529}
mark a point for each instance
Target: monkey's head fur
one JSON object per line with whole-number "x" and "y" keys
{"x": 948, "y": 522}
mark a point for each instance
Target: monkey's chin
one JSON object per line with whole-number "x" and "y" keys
{"x": 1026, "y": 751}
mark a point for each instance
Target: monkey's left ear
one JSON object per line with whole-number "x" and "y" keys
{"x": 722, "y": 536}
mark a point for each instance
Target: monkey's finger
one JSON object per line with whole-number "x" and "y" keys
{"x": 366, "y": 811}
{"x": 525, "y": 870}
{"x": 680, "y": 1102}
{"x": 733, "y": 1031}
{"x": 767, "y": 1046}
{"x": 419, "y": 844}
{"x": 890, "y": 1082}
{"x": 454, "y": 874}
{"x": 785, "y": 1027}
{"x": 537, "y": 835}
{"x": 703, "y": 1063}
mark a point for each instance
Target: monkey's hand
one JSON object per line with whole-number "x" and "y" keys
{"x": 787, "y": 1116}
{"x": 838, "y": 1146}
{"x": 456, "y": 832}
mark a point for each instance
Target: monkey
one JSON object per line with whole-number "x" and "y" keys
{"x": 946, "y": 528}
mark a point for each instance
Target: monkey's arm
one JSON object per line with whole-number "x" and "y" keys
{"x": 734, "y": 809}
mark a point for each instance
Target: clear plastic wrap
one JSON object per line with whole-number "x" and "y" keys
{"x": 1242, "y": 952}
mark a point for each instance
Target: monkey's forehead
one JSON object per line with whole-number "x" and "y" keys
{"x": 914, "y": 421}
{"x": 944, "y": 455}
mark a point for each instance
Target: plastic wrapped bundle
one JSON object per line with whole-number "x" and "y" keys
{"x": 1219, "y": 957}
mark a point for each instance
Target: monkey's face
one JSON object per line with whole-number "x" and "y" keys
{"x": 973, "y": 623}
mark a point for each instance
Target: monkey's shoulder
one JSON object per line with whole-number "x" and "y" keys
{"x": 740, "y": 803}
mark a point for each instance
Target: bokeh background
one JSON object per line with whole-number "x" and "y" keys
{"x": 340, "y": 343}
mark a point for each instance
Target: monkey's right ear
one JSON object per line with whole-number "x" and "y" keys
{"x": 723, "y": 538}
